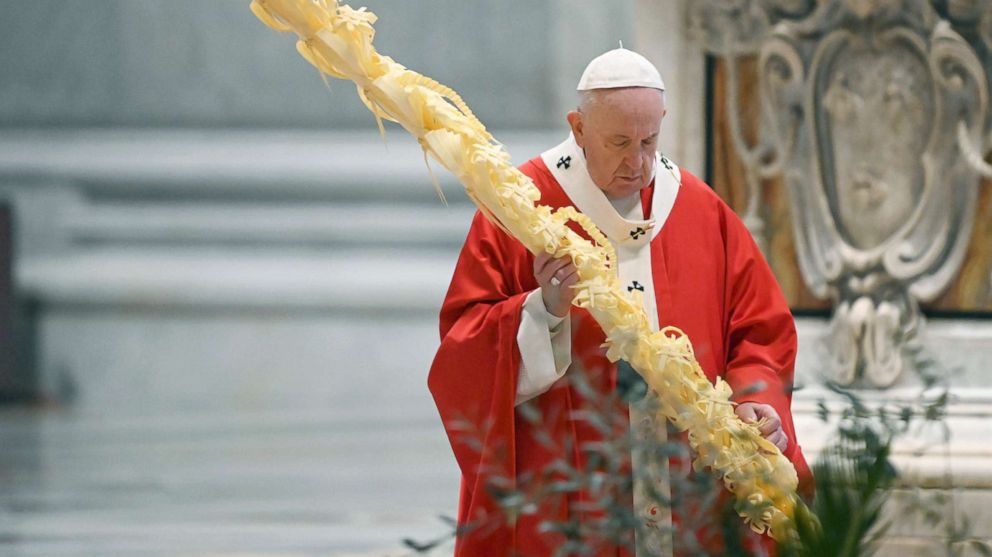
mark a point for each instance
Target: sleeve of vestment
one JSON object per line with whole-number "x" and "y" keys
{"x": 761, "y": 335}
{"x": 473, "y": 378}
{"x": 545, "y": 343}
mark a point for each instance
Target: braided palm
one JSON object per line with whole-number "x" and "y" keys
{"x": 337, "y": 40}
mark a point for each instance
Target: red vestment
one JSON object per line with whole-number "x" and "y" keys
{"x": 710, "y": 281}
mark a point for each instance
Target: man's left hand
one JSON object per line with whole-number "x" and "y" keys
{"x": 752, "y": 412}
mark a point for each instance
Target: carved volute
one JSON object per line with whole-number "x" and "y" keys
{"x": 876, "y": 115}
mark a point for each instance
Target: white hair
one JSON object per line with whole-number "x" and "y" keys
{"x": 590, "y": 98}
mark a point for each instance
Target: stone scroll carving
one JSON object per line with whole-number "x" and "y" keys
{"x": 876, "y": 113}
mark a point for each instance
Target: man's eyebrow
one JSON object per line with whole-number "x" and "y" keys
{"x": 627, "y": 138}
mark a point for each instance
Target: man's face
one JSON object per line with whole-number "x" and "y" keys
{"x": 618, "y": 130}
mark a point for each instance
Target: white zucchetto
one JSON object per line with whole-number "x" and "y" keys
{"x": 620, "y": 68}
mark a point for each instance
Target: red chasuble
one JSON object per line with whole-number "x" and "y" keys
{"x": 710, "y": 281}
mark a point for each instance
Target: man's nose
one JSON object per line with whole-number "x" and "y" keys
{"x": 633, "y": 157}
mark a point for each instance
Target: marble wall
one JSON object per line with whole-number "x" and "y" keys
{"x": 141, "y": 63}
{"x": 135, "y": 130}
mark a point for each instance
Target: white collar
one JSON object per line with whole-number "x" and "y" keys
{"x": 567, "y": 164}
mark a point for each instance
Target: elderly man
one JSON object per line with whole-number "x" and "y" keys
{"x": 522, "y": 384}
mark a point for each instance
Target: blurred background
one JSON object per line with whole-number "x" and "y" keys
{"x": 220, "y": 286}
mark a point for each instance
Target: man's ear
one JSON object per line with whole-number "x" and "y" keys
{"x": 575, "y": 122}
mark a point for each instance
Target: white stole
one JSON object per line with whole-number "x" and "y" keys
{"x": 631, "y": 238}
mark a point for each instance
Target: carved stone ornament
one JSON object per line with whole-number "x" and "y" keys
{"x": 876, "y": 113}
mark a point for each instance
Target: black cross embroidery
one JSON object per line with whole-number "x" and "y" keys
{"x": 635, "y": 286}
{"x": 635, "y": 234}
{"x": 564, "y": 161}
{"x": 666, "y": 164}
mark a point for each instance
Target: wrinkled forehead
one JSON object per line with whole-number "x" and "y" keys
{"x": 629, "y": 108}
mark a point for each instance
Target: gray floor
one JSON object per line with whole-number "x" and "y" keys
{"x": 340, "y": 482}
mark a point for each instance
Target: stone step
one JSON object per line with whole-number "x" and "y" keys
{"x": 151, "y": 214}
{"x": 318, "y": 225}
{"x": 234, "y": 218}
{"x": 366, "y": 280}
{"x": 239, "y": 164}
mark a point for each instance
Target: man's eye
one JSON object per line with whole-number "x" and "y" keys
{"x": 621, "y": 143}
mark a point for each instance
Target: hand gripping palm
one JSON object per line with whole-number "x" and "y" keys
{"x": 337, "y": 40}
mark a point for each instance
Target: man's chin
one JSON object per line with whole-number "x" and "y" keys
{"x": 621, "y": 188}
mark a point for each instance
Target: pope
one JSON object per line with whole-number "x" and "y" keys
{"x": 520, "y": 371}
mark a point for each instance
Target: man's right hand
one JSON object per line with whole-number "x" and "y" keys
{"x": 557, "y": 294}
